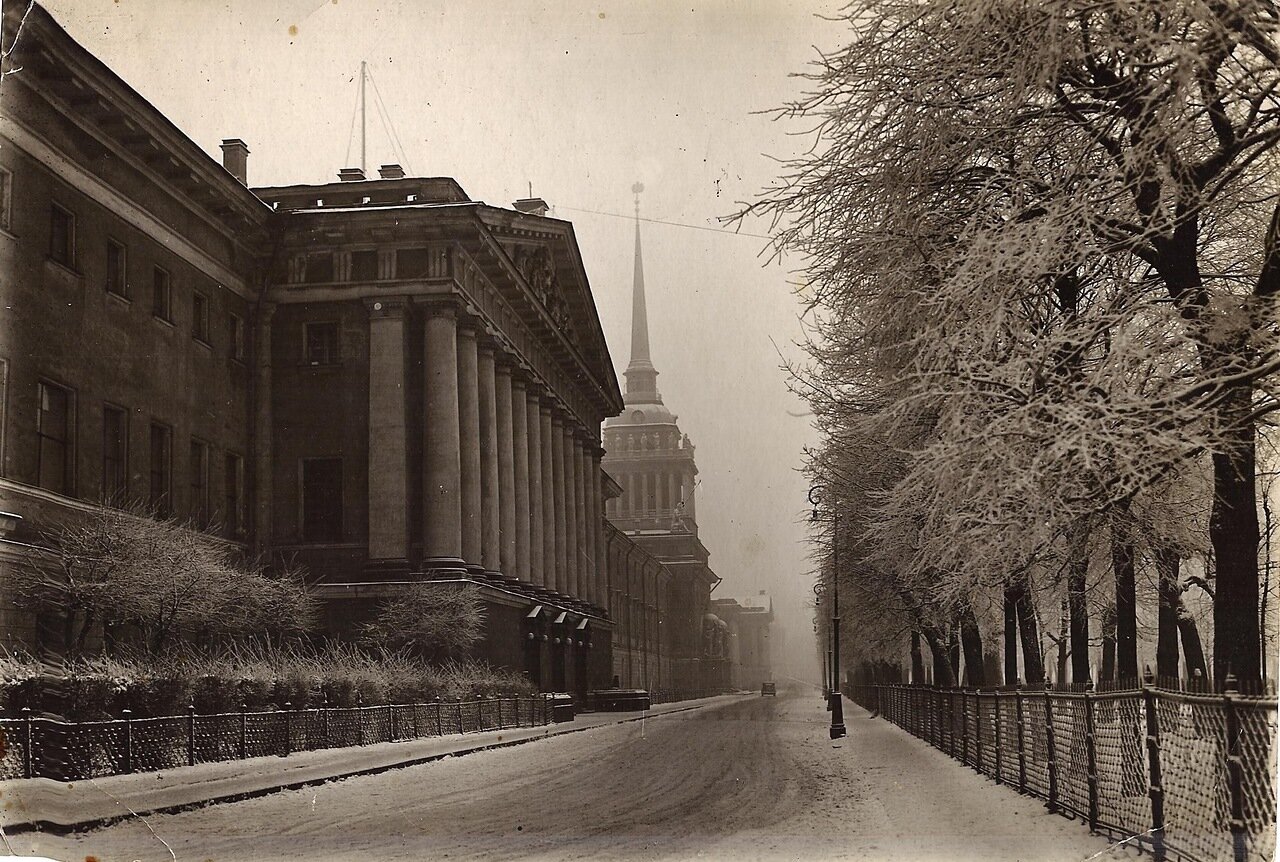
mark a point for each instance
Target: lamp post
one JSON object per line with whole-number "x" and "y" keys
{"x": 824, "y": 654}
{"x": 835, "y": 701}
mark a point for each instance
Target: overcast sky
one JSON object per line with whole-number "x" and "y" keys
{"x": 581, "y": 100}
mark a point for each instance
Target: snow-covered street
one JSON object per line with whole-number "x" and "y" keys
{"x": 754, "y": 779}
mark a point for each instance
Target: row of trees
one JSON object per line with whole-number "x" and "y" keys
{"x": 156, "y": 583}
{"x": 1040, "y": 240}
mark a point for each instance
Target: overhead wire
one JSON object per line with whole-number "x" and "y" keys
{"x": 665, "y": 222}
{"x": 392, "y": 133}
{"x": 351, "y": 133}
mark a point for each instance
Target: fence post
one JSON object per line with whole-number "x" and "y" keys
{"x": 999, "y": 753}
{"x": 951, "y": 723}
{"x": 1235, "y": 770}
{"x": 359, "y": 719}
{"x": 288, "y": 729}
{"x": 500, "y": 713}
{"x": 462, "y": 728}
{"x": 1050, "y": 758}
{"x": 1091, "y": 757}
{"x": 28, "y": 760}
{"x": 964, "y": 719}
{"x": 127, "y": 714}
{"x": 391, "y": 723}
{"x": 1156, "y": 789}
{"x": 439, "y": 718}
{"x": 1022, "y": 742}
{"x": 324, "y": 721}
{"x": 244, "y": 730}
{"x": 191, "y": 734}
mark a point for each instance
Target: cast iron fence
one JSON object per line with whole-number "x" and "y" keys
{"x": 1189, "y": 775}
{"x": 32, "y": 747}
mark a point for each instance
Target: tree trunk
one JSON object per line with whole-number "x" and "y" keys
{"x": 1078, "y": 607}
{"x": 971, "y": 639}
{"x": 1233, "y": 529}
{"x": 1107, "y": 675}
{"x": 1030, "y": 630}
{"x": 1010, "y": 636}
{"x": 1192, "y": 649}
{"x": 953, "y": 649}
{"x": 1170, "y": 594}
{"x": 942, "y": 673}
{"x": 1126, "y": 610}
{"x": 1061, "y": 641}
{"x": 917, "y": 660}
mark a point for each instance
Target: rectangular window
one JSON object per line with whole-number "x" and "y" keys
{"x": 115, "y": 453}
{"x": 235, "y": 337}
{"x": 117, "y": 271}
{"x": 199, "y": 317}
{"x": 198, "y": 467}
{"x": 6, "y": 199}
{"x": 161, "y": 469}
{"x": 322, "y": 500}
{"x": 62, "y": 236}
{"x": 233, "y": 490}
{"x": 321, "y": 340}
{"x": 319, "y": 267}
{"x": 412, "y": 263}
{"x": 55, "y": 428}
{"x": 161, "y": 295}
{"x": 364, "y": 265}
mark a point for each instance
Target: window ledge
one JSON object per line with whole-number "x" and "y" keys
{"x": 200, "y": 341}
{"x": 119, "y": 297}
{"x": 62, "y": 269}
{"x": 162, "y": 321}
{"x": 318, "y": 366}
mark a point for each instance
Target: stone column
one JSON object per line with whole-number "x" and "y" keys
{"x": 571, "y": 511}
{"x": 441, "y": 460}
{"x": 490, "y": 523}
{"x": 586, "y": 568}
{"x": 469, "y": 447}
{"x": 505, "y": 406}
{"x": 560, "y": 544}
{"x": 388, "y": 470}
{"x": 595, "y": 550}
{"x": 549, "y": 570}
{"x": 673, "y": 488}
{"x": 533, "y": 463}
{"x": 600, "y": 547}
{"x": 263, "y": 459}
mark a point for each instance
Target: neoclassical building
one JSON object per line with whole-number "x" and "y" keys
{"x": 653, "y": 462}
{"x": 378, "y": 377}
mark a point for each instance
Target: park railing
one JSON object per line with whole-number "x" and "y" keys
{"x": 33, "y": 747}
{"x": 673, "y": 695}
{"x": 1188, "y": 775}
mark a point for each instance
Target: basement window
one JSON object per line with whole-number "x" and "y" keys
{"x": 320, "y": 342}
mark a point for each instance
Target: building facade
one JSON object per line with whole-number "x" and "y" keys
{"x": 653, "y": 463}
{"x": 377, "y": 377}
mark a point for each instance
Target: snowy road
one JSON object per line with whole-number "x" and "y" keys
{"x": 755, "y": 779}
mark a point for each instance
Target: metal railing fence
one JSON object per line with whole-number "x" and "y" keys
{"x": 32, "y": 747}
{"x": 1190, "y": 776}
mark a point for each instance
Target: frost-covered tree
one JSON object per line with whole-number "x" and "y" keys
{"x": 1047, "y": 223}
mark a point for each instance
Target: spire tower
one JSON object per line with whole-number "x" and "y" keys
{"x": 641, "y": 376}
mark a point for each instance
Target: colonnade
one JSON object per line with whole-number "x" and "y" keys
{"x": 511, "y": 480}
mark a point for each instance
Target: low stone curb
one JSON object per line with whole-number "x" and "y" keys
{"x": 85, "y": 805}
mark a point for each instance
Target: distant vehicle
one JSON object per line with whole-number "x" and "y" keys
{"x": 769, "y": 688}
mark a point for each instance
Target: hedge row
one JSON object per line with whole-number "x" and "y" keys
{"x": 259, "y": 677}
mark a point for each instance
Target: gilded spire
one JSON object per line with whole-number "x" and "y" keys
{"x": 642, "y": 377}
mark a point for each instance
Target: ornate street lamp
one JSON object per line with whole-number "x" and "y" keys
{"x": 835, "y": 702}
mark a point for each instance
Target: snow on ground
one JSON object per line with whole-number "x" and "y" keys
{"x": 756, "y": 779}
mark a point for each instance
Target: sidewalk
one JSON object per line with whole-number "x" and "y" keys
{"x": 52, "y": 806}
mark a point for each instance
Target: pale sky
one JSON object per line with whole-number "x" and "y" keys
{"x": 581, "y": 100}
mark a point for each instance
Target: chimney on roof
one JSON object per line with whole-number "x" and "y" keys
{"x": 391, "y": 172}
{"x": 351, "y": 175}
{"x": 235, "y": 158}
{"x": 532, "y": 206}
